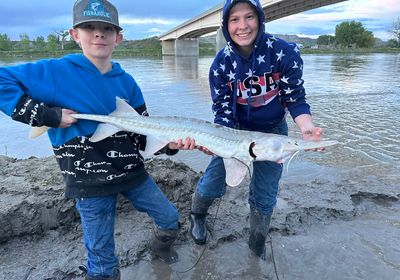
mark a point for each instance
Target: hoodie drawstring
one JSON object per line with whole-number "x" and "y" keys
{"x": 253, "y": 61}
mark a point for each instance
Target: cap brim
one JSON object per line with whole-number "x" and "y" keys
{"x": 97, "y": 20}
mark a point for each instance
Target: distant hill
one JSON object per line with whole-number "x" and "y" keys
{"x": 305, "y": 41}
{"x": 152, "y": 46}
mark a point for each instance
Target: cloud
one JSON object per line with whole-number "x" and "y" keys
{"x": 376, "y": 16}
{"x": 157, "y": 17}
{"x": 146, "y": 21}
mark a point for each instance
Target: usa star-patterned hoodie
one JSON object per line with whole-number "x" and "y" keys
{"x": 255, "y": 93}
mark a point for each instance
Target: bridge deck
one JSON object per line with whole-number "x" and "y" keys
{"x": 210, "y": 20}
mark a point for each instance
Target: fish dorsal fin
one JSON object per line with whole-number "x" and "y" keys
{"x": 153, "y": 145}
{"x": 122, "y": 107}
{"x": 235, "y": 171}
{"x": 103, "y": 131}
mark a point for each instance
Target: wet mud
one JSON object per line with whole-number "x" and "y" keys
{"x": 328, "y": 224}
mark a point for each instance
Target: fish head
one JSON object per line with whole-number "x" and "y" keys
{"x": 279, "y": 148}
{"x": 268, "y": 149}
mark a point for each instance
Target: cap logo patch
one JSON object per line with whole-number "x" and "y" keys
{"x": 96, "y": 8}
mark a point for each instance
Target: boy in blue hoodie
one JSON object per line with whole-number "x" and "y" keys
{"x": 255, "y": 80}
{"x": 47, "y": 92}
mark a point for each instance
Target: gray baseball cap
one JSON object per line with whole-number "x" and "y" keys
{"x": 95, "y": 10}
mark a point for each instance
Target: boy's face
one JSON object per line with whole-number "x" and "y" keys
{"x": 97, "y": 39}
{"x": 243, "y": 26}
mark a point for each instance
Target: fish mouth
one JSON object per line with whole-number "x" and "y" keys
{"x": 251, "y": 152}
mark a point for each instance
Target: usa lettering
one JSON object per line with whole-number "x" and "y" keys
{"x": 257, "y": 85}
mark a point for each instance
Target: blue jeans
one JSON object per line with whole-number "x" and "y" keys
{"x": 264, "y": 185}
{"x": 98, "y": 219}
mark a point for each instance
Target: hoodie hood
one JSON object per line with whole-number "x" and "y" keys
{"x": 83, "y": 62}
{"x": 225, "y": 14}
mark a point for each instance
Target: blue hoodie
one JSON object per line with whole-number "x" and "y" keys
{"x": 34, "y": 93}
{"x": 270, "y": 79}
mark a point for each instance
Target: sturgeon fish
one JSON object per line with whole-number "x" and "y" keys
{"x": 238, "y": 148}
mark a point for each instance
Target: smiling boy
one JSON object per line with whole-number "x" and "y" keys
{"x": 47, "y": 92}
{"x": 254, "y": 81}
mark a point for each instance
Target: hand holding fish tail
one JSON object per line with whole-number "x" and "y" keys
{"x": 189, "y": 144}
{"x": 66, "y": 119}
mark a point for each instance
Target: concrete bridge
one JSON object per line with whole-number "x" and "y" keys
{"x": 183, "y": 39}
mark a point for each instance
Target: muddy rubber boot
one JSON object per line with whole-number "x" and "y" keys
{"x": 161, "y": 245}
{"x": 259, "y": 226}
{"x": 198, "y": 227}
{"x": 87, "y": 277}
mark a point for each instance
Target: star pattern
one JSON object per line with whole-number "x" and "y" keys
{"x": 260, "y": 59}
{"x": 224, "y": 119}
{"x": 234, "y": 64}
{"x": 231, "y": 75}
{"x": 249, "y": 73}
{"x": 280, "y": 55}
{"x": 288, "y": 91}
{"x": 228, "y": 49}
{"x": 285, "y": 79}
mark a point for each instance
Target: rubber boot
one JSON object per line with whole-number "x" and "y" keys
{"x": 161, "y": 245}
{"x": 87, "y": 277}
{"x": 259, "y": 226}
{"x": 198, "y": 227}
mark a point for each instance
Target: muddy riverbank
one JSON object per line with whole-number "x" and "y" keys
{"x": 328, "y": 224}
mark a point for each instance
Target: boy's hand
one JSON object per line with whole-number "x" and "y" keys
{"x": 66, "y": 119}
{"x": 314, "y": 134}
{"x": 189, "y": 144}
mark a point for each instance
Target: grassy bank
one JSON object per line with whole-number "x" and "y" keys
{"x": 350, "y": 51}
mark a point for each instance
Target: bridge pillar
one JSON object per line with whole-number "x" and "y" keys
{"x": 220, "y": 40}
{"x": 181, "y": 47}
{"x": 187, "y": 47}
{"x": 168, "y": 47}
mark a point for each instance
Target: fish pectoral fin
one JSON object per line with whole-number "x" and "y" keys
{"x": 103, "y": 131}
{"x": 153, "y": 145}
{"x": 235, "y": 171}
{"x": 36, "y": 131}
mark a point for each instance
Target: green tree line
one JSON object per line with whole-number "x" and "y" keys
{"x": 352, "y": 34}
{"x": 54, "y": 42}
{"x": 348, "y": 34}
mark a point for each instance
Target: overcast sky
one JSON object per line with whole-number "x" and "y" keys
{"x": 142, "y": 19}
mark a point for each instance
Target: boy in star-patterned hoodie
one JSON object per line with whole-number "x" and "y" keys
{"x": 254, "y": 81}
